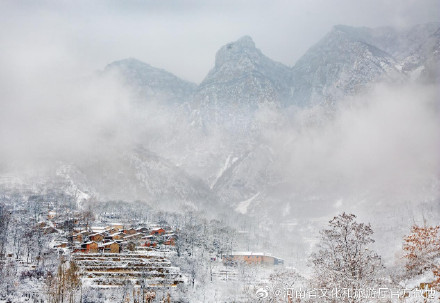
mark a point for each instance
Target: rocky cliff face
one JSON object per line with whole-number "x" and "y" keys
{"x": 348, "y": 59}
{"x": 341, "y": 64}
{"x": 242, "y": 79}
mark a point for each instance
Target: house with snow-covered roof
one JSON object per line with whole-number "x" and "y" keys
{"x": 110, "y": 247}
{"x": 249, "y": 257}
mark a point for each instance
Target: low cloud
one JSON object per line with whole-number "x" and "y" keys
{"x": 384, "y": 144}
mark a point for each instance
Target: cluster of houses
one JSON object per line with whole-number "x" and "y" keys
{"x": 116, "y": 238}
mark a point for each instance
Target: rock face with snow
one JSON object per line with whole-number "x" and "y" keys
{"x": 341, "y": 64}
{"x": 244, "y": 176}
{"x": 242, "y": 79}
{"x": 424, "y": 62}
{"x": 151, "y": 83}
{"x": 398, "y": 43}
{"x": 348, "y": 59}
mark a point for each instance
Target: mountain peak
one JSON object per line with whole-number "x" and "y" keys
{"x": 245, "y": 41}
{"x": 234, "y": 51}
{"x": 242, "y": 79}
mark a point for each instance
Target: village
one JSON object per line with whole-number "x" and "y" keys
{"x": 129, "y": 252}
{"x": 116, "y": 254}
{"x": 121, "y": 253}
{"x": 113, "y": 255}
{"x": 116, "y": 239}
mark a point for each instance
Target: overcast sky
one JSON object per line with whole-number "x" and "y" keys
{"x": 180, "y": 36}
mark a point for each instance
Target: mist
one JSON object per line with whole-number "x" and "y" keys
{"x": 385, "y": 142}
{"x": 45, "y": 116}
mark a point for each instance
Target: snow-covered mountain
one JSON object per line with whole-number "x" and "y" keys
{"x": 340, "y": 64}
{"x": 343, "y": 63}
{"x": 348, "y": 59}
{"x": 150, "y": 83}
{"x": 242, "y": 79}
{"x": 182, "y": 161}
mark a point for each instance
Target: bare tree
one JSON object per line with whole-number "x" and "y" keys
{"x": 65, "y": 284}
{"x": 343, "y": 260}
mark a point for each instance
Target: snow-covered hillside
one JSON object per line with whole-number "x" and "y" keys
{"x": 150, "y": 83}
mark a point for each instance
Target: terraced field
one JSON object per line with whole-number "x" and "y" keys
{"x": 147, "y": 269}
